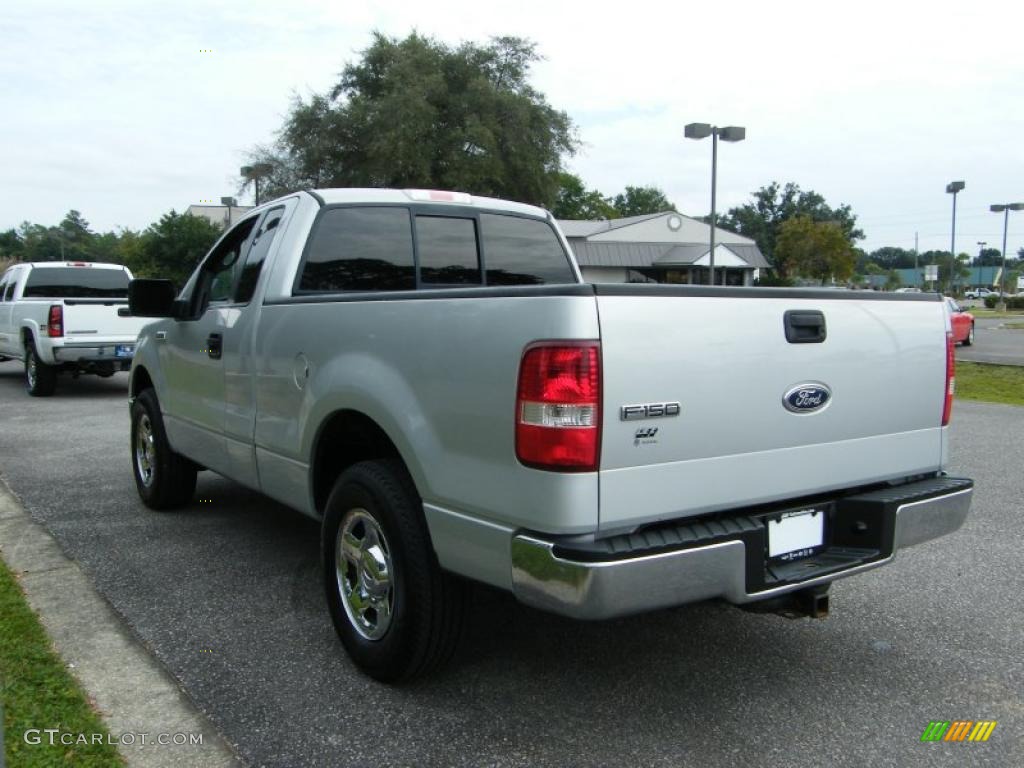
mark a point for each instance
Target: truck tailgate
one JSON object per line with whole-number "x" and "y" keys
{"x": 723, "y": 355}
{"x": 96, "y": 320}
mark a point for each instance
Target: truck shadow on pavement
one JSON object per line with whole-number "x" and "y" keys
{"x": 70, "y": 387}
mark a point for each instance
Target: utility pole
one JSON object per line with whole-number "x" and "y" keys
{"x": 953, "y": 188}
{"x": 917, "y": 270}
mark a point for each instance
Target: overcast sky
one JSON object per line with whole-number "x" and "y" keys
{"x": 111, "y": 108}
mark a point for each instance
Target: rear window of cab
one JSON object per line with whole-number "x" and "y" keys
{"x": 76, "y": 283}
{"x": 393, "y": 248}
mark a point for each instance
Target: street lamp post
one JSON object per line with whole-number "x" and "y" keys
{"x": 254, "y": 173}
{"x": 229, "y": 202}
{"x": 953, "y": 188}
{"x": 1004, "y": 209}
{"x": 728, "y": 133}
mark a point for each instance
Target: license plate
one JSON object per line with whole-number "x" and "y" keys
{"x": 796, "y": 534}
{"x": 124, "y": 350}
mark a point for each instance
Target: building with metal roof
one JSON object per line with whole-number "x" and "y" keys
{"x": 221, "y": 215}
{"x": 665, "y": 247}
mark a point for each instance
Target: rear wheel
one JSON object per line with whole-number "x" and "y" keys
{"x": 970, "y": 337}
{"x": 164, "y": 479}
{"x": 40, "y": 378}
{"x": 396, "y": 612}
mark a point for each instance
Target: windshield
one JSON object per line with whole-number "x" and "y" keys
{"x": 76, "y": 283}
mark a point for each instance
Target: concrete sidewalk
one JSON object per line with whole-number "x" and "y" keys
{"x": 133, "y": 692}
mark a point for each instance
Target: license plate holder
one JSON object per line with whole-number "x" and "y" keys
{"x": 795, "y": 534}
{"x": 124, "y": 350}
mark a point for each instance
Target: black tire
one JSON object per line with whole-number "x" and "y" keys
{"x": 969, "y": 339}
{"x": 40, "y": 378}
{"x": 164, "y": 479}
{"x": 427, "y": 605}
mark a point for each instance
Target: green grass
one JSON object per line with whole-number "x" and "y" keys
{"x": 38, "y": 692}
{"x": 982, "y": 312}
{"x": 992, "y": 383}
{"x": 1014, "y": 326}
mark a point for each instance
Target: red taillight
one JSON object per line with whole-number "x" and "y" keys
{"x": 947, "y": 408}
{"x": 558, "y": 407}
{"x": 55, "y": 325}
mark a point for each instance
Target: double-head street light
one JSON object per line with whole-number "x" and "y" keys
{"x": 1004, "y": 209}
{"x": 952, "y": 188}
{"x": 729, "y": 133}
{"x": 254, "y": 173}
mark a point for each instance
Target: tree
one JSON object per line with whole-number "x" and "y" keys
{"x": 420, "y": 113}
{"x": 637, "y": 201}
{"x": 575, "y": 201}
{"x": 40, "y": 243}
{"x": 893, "y": 258}
{"x": 989, "y": 257}
{"x": 11, "y": 246}
{"x": 772, "y": 206}
{"x": 75, "y": 237}
{"x": 173, "y": 246}
{"x": 815, "y": 249}
{"x": 892, "y": 280}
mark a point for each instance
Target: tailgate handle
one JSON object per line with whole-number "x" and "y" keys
{"x": 213, "y": 345}
{"x": 804, "y": 326}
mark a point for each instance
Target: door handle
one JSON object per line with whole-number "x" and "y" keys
{"x": 214, "y": 345}
{"x": 161, "y": 335}
{"x": 804, "y": 326}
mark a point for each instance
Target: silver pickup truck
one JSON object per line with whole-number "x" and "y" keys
{"x": 426, "y": 373}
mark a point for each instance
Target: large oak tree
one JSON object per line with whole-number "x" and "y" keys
{"x": 417, "y": 112}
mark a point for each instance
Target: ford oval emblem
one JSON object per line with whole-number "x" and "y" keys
{"x": 808, "y": 397}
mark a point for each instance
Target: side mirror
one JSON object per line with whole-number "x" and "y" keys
{"x": 151, "y": 298}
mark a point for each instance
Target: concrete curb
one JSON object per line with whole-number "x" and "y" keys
{"x": 132, "y": 691}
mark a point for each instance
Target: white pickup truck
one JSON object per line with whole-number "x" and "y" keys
{"x": 426, "y": 373}
{"x": 66, "y": 316}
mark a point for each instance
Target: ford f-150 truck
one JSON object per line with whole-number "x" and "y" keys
{"x": 66, "y": 316}
{"x": 427, "y": 374}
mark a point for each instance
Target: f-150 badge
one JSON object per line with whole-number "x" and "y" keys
{"x": 807, "y": 397}
{"x": 649, "y": 411}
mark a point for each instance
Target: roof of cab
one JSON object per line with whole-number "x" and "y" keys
{"x": 425, "y": 197}
{"x": 92, "y": 264}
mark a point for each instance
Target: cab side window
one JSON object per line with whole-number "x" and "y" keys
{"x": 261, "y": 242}
{"x": 12, "y": 283}
{"x": 217, "y": 275}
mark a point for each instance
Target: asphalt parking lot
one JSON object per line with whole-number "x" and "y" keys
{"x": 226, "y": 594}
{"x": 994, "y": 343}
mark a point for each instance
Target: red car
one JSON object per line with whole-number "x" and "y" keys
{"x": 963, "y": 323}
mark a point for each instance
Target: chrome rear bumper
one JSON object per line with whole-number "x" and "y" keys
{"x": 580, "y": 589}
{"x": 91, "y": 354}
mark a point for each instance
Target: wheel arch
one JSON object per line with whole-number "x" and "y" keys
{"x": 343, "y": 438}
{"x": 140, "y": 381}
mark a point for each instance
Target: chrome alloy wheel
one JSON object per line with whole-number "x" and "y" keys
{"x": 362, "y": 560}
{"x": 30, "y": 370}
{"x": 145, "y": 451}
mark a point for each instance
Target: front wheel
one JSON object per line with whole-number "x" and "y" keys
{"x": 396, "y": 612}
{"x": 970, "y": 336}
{"x": 164, "y": 479}
{"x": 40, "y": 378}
